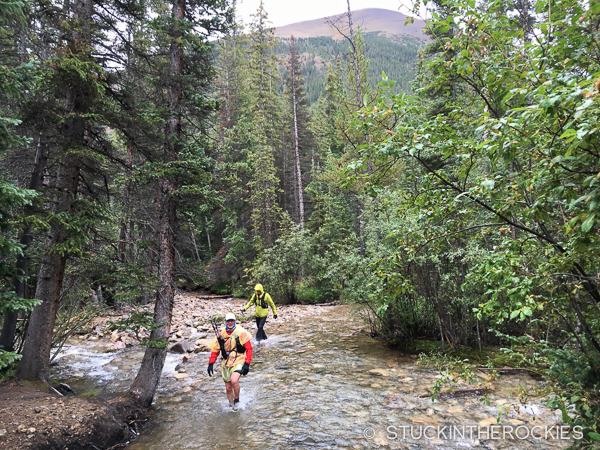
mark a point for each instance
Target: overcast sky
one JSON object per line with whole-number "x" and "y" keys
{"x": 284, "y": 12}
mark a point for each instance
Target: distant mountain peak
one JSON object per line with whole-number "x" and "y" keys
{"x": 370, "y": 20}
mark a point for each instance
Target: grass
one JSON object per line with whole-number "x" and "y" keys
{"x": 489, "y": 356}
{"x": 89, "y": 394}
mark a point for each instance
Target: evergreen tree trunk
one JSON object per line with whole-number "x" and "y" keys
{"x": 359, "y": 101}
{"x": 127, "y": 223}
{"x": 38, "y": 340}
{"x": 298, "y": 171}
{"x": 148, "y": 377}
{"x": 7, "y": 337}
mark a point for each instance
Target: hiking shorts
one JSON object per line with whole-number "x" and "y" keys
{"x": 227, "y": 371}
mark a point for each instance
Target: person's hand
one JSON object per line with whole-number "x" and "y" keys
{"x": 274, "y": 316}
{"x": 245, "y": 369}
{"x": 210, "y": 370}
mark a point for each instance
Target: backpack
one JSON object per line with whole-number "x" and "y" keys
{"x": 263, "y": 303}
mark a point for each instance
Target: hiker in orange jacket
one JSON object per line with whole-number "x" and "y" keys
{"x": 234, "y": 341}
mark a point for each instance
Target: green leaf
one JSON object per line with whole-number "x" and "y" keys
{"x": 594, "y": 436}
{"x": 586, "y": 104}
{"x": 568, "y": 133}
{"x": 488, "y": 184}
{"x": 581, "y": 133}
{"x": 588, "y": 223}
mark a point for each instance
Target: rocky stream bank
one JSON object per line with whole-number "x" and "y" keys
{"x": 319, "y": 381}
{"x": 32, "y": 416}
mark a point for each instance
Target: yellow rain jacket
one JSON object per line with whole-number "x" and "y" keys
{"x": 235, "y": 355}
{"x": 262, "y": 302}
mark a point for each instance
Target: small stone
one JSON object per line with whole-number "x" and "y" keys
{"x": 31, "y": 430}
{"x": 487, "y": 422}
{"x": 3, "y": 432}
{"x": 179, "y": 376}
{"x": 37, "y": 410}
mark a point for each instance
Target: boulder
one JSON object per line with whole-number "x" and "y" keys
{"x": 182, "y": 347}
{"x": 117, "y": 346}
{"x": 202, "y": 345}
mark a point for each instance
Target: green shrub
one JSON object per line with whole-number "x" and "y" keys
{"x": 312, "y": 294}
{"x": 239, "y": 292}
{"x": 220, "y": 289}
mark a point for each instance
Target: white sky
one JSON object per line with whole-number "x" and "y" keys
{"x": 285, "y": 12}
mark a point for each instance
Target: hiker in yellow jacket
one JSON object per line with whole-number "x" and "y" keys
{"x": 263, "y": 301}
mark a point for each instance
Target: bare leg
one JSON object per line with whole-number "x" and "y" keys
{"x": 230, "y": 393}
{"x": 235, "y": 382}
{"x": 233, "y": 387}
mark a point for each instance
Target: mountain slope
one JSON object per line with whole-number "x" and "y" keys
{"x": 389, "y": 45}
{"x": 370, "y": 20}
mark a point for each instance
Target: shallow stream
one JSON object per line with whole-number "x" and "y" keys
{"x": 320, "y": 382}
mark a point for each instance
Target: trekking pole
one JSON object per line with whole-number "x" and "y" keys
{"x": 220, "y": 339}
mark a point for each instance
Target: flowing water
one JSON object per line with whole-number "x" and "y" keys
{"x": 320, "y": 382}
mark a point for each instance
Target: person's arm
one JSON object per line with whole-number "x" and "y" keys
{"x": 249, "y": 304}
{"x": 213, "y": 357}
{"x": 245, "y": 336}
{"x": 248, "y": 346}
{"x": 270, "y": 302}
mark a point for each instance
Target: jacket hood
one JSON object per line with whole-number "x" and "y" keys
{"x": 258, "y": 287}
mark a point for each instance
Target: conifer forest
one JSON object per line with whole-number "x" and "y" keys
{"x": 152, "y": 147}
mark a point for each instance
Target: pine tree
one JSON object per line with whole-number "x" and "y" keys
{"x": 15, "y": 77}
{"x": 263, "y": 112}
{"x": 78, "y": 90}
{"x": 180, "y": 166}
{"x": 328, "y": 120}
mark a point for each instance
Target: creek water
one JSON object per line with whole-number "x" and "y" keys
{"x": 321, "y": 382}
